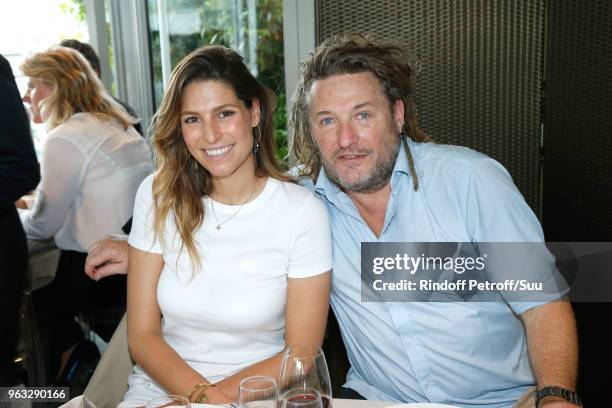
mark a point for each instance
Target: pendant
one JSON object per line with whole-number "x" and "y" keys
{"x": 218, "y": 227}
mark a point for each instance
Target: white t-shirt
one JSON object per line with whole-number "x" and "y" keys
{"x": 90, "y": 172}
{"x": 231, "y": 313}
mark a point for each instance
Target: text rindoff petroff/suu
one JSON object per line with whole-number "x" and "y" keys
{"x": 509, "y": 285}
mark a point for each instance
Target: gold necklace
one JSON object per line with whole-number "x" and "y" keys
{"x": 212, "y": 205}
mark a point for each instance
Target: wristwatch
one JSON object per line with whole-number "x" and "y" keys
{"x": 554, "y": 391}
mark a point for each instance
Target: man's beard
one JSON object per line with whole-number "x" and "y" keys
{"x": 375, "y": 179}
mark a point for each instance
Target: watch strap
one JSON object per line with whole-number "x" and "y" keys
{"x": 555, "y": 391}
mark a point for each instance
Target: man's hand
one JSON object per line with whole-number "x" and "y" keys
{"x": 556, "y": 402}
{"x": 21, "y": 204}
{"x": 107, "y": 257}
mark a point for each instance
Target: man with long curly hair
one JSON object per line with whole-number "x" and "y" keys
{"x": 356, "y": 137}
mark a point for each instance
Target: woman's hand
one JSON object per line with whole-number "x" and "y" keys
{"x": 215, "y": 395}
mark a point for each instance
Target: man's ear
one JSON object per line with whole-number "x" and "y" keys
{"x": 398, "y": 114}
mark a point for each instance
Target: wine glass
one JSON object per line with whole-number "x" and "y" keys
{"x": 259, "y": 391}
{"x": 301, "y": 398}
{"x": 168, "y": 401}
{"x": 305, "y": 367}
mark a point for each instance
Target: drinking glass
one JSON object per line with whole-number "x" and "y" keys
{"x": 259, "y": 391}
{"x": 168, "y": 401}
{"x": 304, "y": 367}
{"x": 301, "y": 398}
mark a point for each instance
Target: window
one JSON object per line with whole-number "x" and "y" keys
{"x": 27, "y": 26}
{"x": 254, "y": 28}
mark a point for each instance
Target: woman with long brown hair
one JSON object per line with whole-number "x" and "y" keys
{"x": 92, "y": 163}
{"x": 229, "y": 259}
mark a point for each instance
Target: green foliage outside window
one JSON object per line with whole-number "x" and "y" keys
{"x": 218, "y": 22}
{"x": 75, "y": 8}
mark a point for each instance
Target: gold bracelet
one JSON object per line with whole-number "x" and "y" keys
{"x": 194, "y": 389}
{"x": 202, "y": 397}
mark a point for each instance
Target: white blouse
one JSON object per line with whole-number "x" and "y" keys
{"x": 90, "y": 173}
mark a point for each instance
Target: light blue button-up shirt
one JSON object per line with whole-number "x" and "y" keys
{"x": 466, "y": 354}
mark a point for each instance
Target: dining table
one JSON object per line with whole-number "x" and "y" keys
{"x": 352, "y": 403}
{"x": 338, "y": 403}
{"x": 81, "y": 402}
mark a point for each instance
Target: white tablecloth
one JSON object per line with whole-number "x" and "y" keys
{"x": 44, "y": 258}
{"x": 347, "y": 403}
{"x": 80, "y": 402}
{"x": 338, "y": 403}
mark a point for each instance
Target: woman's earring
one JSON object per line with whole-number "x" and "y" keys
{"x": 257, "y": 139}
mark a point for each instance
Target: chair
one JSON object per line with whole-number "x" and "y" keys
{"x": 44, "y": 259}
{"x": 109, "y": 382}
{"x": 335, "y": 353}
{"x": 31, "y": 350}
{"x": 42, "y": 264}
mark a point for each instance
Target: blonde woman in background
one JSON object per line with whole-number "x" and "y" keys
{"x": 229, "y": 259}
{"x": 92, "y": 163}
